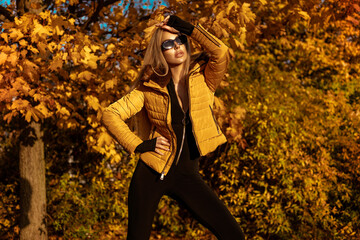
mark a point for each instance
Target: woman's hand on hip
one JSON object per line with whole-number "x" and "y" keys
{"x": 162, "y": 144}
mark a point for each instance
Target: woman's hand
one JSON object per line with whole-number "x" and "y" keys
{"x": 162, "y": 144}
{"x": 164, "y": 26}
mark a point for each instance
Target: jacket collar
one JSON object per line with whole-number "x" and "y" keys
{"x": 158, "y": 83}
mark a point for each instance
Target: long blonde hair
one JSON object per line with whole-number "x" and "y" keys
{"x": 155, "y": 62}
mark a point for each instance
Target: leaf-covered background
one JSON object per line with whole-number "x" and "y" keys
{"x": 289, "y": 106}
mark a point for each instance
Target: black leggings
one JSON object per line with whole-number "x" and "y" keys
{"x": 145, "y": 192}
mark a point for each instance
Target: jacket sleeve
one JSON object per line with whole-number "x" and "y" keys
{"x": 219, "y": 56}
{"x": 115, "y": 115}
{"x": 218, "y": 51}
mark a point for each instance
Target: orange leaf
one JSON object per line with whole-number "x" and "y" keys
{"x": 357, "y": 7}
{"x": 20, "y": 104}
{"x": 352, "y": 20}
{"x": 3, "y": 58}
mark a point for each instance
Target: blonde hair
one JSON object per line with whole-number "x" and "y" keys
{"x": 155, "y": 62}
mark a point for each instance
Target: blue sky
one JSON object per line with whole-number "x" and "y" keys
{"x": 4, "y": 2}
{"x": 7, "y": 2}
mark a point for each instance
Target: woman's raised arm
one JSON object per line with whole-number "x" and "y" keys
{"x": 218, "y": 51}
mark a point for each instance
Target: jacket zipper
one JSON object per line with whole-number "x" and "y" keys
{"x": 182, "y": 140}
{"x": 162, "y": 176}
{"x": 213, "y": 115}
{"x": 211, "y": 38}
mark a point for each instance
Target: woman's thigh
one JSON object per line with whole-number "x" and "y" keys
{"x": 144, "y": 195}
{"x": 207, "y": 208}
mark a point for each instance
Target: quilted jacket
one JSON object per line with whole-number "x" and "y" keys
{"x": 152, "y": 98}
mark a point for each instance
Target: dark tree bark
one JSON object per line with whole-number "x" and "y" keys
{"x": 7, "y": 14}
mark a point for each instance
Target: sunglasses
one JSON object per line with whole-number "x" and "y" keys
{"x": 169, "y": 44}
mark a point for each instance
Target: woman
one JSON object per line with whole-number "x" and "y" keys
{"x": 177, "y": 95}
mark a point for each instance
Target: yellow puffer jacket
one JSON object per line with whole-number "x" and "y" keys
{"x": 153, "y": 97}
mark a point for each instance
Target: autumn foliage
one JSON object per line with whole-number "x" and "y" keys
{"x": 290, "y": 107}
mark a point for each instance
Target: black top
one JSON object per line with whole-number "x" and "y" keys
{"x": 178, "y": 118}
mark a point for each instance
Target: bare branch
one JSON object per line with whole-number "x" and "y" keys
{"x": 6, "y": 13}
{"x": 95, "y": 15}
{"x": 101, "y": 4}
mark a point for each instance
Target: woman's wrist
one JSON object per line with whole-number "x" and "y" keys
{"x": 180, "y": 25}
{"x": 146, "y": 146}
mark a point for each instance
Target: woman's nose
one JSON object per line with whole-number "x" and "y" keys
{"x": 176, "y": 45}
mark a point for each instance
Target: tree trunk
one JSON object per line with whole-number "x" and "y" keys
{"x": 32, "y": 184}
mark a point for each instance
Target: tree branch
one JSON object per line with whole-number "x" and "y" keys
{"x": 6, "y": 13}
{"x": 101, "y": 4}
{"x": 95, "y": 15}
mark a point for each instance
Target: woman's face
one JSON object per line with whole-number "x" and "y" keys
{"x": 176, "y": 55}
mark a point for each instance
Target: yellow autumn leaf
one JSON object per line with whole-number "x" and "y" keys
{"x": 5, "y": 37}
{"x": 94, "y": 48}
{"x": 59, "y": 30}
{"x": 28, "y": 116}
{"x": 209, "y": 3}
{"x": 225, "y": 33}
{"x": 3, "y": 58}
{"x": 63, "y": 111}
{"x": 93, "y": 102}
{"x": 104, "y": 139}
{"x": 16, "y": 35}
{"x": 86, "y": 75}
{"x": 41, "y": 107}
{"x": 92, "y": 63}
{"x": 235, "y": 44}
{"x": 40, "y": 31}
{"x": 132, "y": 74}
{"x": 73, "y": 76}
{"x": 111, "y": 46}
{"x": 21, "y": 85}
{"x": 230, "y": 7}
{"x": 30, "y": 69}
{"x": 45, "y": 15}
{"x": 65, "y": 56}
{"x": 56, "y": 64}
{"x": 41, "y": 47}
{"x": 89, "y": 58}
{"x": 263, "y": 2}
{"x": 52, "y": 46}
{"x": 71, "y": 21}
{"x": 87, "y": 49}
{"x": 124, "y": 64}
{"x": 228, "y": 23}
{"x": 23, "y": 42}
{"x": 75, "y": 57}
{"x": 10, "y": 115}
{"x": 304, "y": 15}
{"x": 246, "y": 15}
{"x": 74, "y": 2}
{"x": 20, "y": 104}
{"x": 32, "y": 49}
{"x": 110, "y": 84}
{"x": 239, "y": 113}
{"x": 23, "y": 53}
